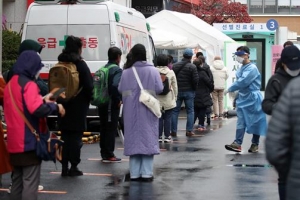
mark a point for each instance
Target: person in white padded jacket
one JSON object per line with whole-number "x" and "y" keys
{"x": 220, "y": 75}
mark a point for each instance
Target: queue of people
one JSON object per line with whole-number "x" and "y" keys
{"x": 191, "y": 81}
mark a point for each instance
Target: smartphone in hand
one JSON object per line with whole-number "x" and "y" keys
{"x": 57, "y": 93}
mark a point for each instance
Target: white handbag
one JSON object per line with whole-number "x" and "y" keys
{"x": 146, "y": 98}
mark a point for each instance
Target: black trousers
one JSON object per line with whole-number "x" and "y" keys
{"x": 108, "y": 130}
{"x": 200, "y": 114}
{"x": 71, "y": 147}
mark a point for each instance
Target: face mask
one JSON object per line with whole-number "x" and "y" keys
{"x": 239, "y": 59}
{"x": 292, "y": 72}
{"x": 37, "y": 75}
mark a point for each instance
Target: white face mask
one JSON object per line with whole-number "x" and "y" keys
{"x": 239, "y": 59}
{"x": 37, "y": 74}
{"x": 292, "y": 72}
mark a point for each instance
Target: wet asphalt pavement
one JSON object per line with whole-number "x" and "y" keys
{"x": 188, "y": 168}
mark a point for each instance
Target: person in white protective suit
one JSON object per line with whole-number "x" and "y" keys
{"x": 251, "y": 118}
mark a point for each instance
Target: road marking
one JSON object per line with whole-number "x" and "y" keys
{"x": 99, "y": 159}
{"x": 43, "y": 191}
{"x": 123, "y": 149}
{"x": 86, "y": 174}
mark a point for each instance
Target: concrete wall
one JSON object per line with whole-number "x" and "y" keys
{"x": 15, "y": 12}
{"x": 292, "y": 21}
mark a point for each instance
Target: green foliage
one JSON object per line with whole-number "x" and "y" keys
{"x": 10, "y": 47}
{"x": 7, "y": 64}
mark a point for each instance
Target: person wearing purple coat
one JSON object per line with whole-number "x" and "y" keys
{"x": 140, "y": 124}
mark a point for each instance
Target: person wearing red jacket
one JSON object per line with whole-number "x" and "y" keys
{"x": 22, "y": 92}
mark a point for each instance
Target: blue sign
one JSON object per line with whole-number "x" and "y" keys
{"x": 272, "y": 24}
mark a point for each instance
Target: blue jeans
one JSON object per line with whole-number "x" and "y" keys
{"x": 188, "y": 98}
{"x": 239, "y": 136}
{"x": 165, "y": 123}
{"x": 141, "y": 166}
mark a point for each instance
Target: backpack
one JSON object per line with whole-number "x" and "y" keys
{"x": 64, "y": 75}
{"x": 165, "y": 81}
{"x": 100, "y": 91}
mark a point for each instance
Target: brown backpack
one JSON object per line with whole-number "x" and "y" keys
{"x": 64, "y": 75}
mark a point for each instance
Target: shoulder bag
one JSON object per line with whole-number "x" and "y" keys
{"x": 146, "y": 98}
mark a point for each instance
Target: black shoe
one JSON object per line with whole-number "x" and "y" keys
{"x": 149, "y": 179}
{"x": 65, "y": 172}
{"x": 75, "y": 172}
{"x": 136, "y": 179}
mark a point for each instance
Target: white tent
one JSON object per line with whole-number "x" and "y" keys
{"x": 199, "y": 33}
{"x": 167, "y": 40}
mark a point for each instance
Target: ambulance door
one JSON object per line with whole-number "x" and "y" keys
{"x": 91, "y": 24}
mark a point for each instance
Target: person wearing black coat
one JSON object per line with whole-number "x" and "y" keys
{"x": 73, "y": 124}
{"x": 187, "y": 80}
{"x": 202, "y": 99}
{"x": 290, "y": 68}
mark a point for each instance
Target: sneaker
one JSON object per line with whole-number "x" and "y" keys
{"x": 201, "y": 128}
{"x": 189, "y": 134}
{"x": 40, "y": 188}
{"x": 253, "y": 148}
{"x": 111, "y": 160}
{"x": 168, "y": 139}
{"x": 160, "y": 139}
{"x": 233, "y": 147}
{"x": 9, "y": 189}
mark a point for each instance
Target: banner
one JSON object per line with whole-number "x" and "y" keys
{"x": 276, "y": 52}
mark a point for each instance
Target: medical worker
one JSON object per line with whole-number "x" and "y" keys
{"x": 251, "y": 118}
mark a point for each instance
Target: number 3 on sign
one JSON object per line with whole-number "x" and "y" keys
{"x": 272, "y": 24}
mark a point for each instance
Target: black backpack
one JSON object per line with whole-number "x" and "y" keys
{"x": 165, "y": 81}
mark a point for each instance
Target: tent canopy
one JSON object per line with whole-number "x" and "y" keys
{"x": 165, "y": 39}
{"x": 198, "y": 32}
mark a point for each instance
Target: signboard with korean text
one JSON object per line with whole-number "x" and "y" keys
{"x": 276, "y": 52}
{"x": 148, "y": 7}
{"x": 232, "y": 66}
{"x": 242, "y": 27}
{"x": 95, "y": 39}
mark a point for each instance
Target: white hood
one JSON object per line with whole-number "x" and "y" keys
{"x": 218, "y": 64}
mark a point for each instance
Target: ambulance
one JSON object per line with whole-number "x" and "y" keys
{"x": 99, "y": 24}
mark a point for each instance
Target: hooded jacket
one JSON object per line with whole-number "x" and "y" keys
{"x": 168, "y": 101}
{"x": 275, "y": 86}
{"x": 220, "y": 74}
{"x": 21, "y": 143}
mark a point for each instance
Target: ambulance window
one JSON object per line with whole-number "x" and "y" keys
{"x": 96, "y": 40}
{"x": 51, "y": 37}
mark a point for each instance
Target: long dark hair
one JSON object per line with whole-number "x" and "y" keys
{"x": 72, "y": 50}
{"x": 137, "y": 53}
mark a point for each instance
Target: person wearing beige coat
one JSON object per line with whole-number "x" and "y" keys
{"x": 168, "y": 101}
{"x": 220, "y": 74}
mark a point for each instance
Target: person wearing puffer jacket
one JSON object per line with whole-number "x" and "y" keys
{"x": 220, "y": 74}
{"x": 167, "y": 101}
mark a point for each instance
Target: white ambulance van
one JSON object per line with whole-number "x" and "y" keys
{"x": 100, "y": 25}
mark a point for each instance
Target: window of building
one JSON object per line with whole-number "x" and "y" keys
{"x": 295, "y": 6}
{"x": 284, "y": 6}
{"x": 270, "y": 6}
{"x": 256, "y": 6}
